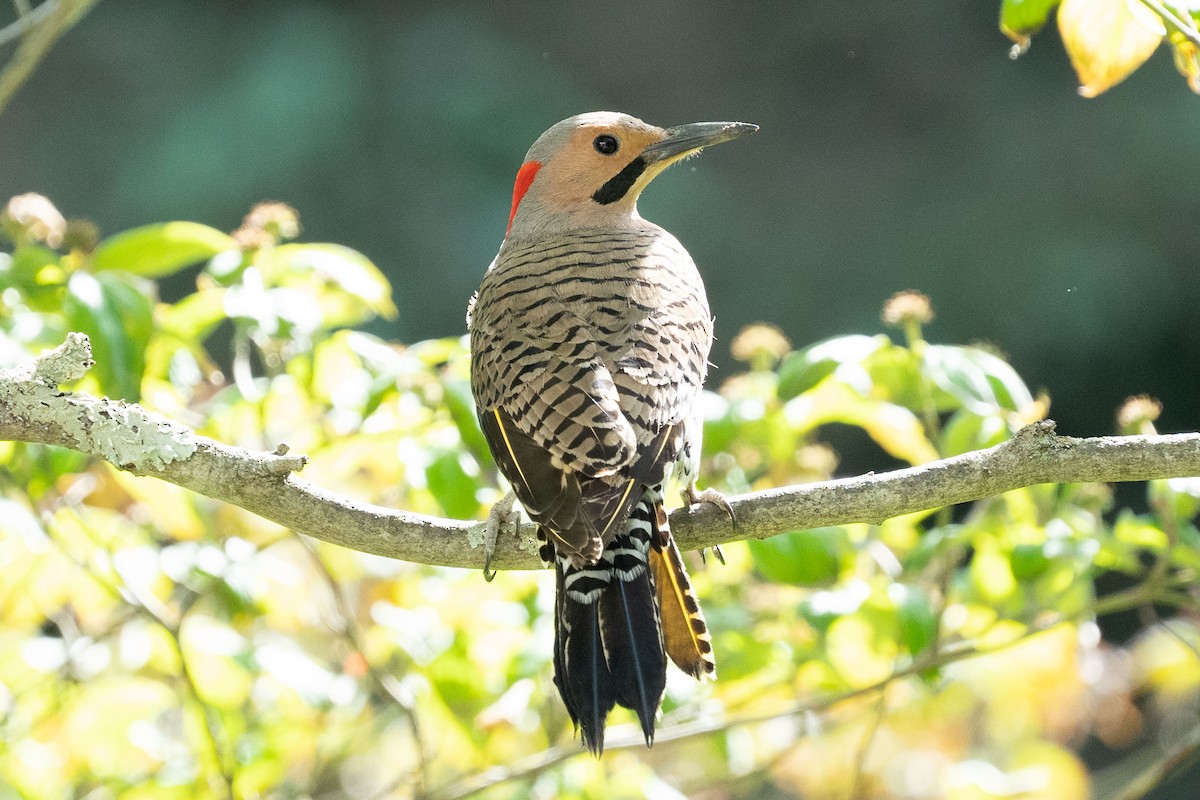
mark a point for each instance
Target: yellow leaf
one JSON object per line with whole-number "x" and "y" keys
{"x": 1107, "y": 40}
{"x": 1187, "y": 59}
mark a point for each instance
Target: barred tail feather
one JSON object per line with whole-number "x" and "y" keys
{"x": 608, "y": 646}
{"x": 684, "y": 631}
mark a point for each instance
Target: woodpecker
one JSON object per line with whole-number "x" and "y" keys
{"x": 590, "y": 336}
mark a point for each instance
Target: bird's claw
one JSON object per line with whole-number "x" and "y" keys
{"x": 711, "y": 496}
{"x": 716, "y": 548}
{"x": 501, "y": 513}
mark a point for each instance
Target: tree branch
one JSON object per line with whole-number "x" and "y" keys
{"x": 32, "y": 409}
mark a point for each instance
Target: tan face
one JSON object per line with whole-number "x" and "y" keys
{"x": 588, "y": 170}
{"x": 585, "y": 157}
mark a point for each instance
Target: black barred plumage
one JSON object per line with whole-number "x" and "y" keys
{"x": 590, "y": 336}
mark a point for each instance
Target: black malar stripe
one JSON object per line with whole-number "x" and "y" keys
{"x": 619, "y": 185}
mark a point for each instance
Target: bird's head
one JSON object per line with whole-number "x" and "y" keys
{"x": 587, "y": 171}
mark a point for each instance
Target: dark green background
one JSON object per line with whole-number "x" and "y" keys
{"x": 900, "y": 148}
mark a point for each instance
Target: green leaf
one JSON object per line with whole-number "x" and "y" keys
{"x": 1022, "y": 18}
{"x": 1139, "y": 531}
{"x": 895, "y": 376}
{"x": 1028, "y": 562}
{"x": 119, "y": 320}
{"x": 742, "y": 653}
{"x": 1187, "y": 555}
{"x": 966, "y": 431}
{"x": 916, "y": 615}
{"x": 452, "y": 486}
{"x": 804, "y": 369}
{"x": 457, "y": 397}
{"x": 38, "y": 275}
{"x": 157, "y": 250}
{"x": 951, "y": 540}
{"x": 805, "y": 558}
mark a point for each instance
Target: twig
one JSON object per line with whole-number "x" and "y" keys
{"x": 384, "y": 683}
{"x": 33, "y": 410}
{"x": 40, "y": 29}
{"x": 26, "y": 19}
{"x": 864, "y": 750}
{"x": 627, "y": 737}
{"x": 150, "y": 609}
{"x": 1186, "y": 27}
{"x": 1183, "y": 752}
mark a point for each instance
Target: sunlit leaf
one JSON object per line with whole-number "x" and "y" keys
{"x": 894, "y": 428}
{"x": 895, "y": 375}
{"x": 862, "y": 646}
{"x": 742, "y": 653}
{"x": 1165, "y": 659}
{"x": 982, "y": 382}
{"x": 1187, "y": 57}
{"x": 1107, "y": 40}
{"x": 195, "y": 316}
{"x": 1187, "y": 555}
{"x": 804, "y": 369}
{"x": 1139, "y": 531}
{"x": 965, "y": 431}
{"x": 359, "y": 288}
{"x": 992, "y": 572}
{"x": 157, "y": 250}
{"x": 462, "y": 410}
{"x": 97, "y": 725}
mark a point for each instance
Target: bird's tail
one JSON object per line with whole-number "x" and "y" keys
{"x": 608, "y": 643}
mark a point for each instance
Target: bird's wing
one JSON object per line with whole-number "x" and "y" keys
{"x": 551, "y": 412}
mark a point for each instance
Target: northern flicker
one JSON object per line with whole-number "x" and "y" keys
{"x": 590, "y": 337}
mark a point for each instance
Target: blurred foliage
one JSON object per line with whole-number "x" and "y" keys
{"x": 154, "y": 643}
{"x": 1107, "y": 40}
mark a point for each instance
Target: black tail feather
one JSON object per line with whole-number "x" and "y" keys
{"x": 633, "y": 642}
{"x": 580, "y": 670}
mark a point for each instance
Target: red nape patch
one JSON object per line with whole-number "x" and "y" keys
{"x": 524, "y": 178}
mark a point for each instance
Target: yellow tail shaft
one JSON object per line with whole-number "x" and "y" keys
{"x": 685, "y": 633}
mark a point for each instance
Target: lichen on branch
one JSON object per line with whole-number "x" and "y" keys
{"x": 33, "y": 409}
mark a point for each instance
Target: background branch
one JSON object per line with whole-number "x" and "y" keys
{"x": 32, "y": 409}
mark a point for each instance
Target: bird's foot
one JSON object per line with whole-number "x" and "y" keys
{"x": 501, "y": 513}
{"x": 711, "y": 496}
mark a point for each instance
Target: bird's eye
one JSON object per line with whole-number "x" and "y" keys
{"x": 605, "y": 144}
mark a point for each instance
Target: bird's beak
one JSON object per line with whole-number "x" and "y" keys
{"x": 683, "y": 140}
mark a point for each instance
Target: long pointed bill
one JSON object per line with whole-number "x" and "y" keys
{"x": 685, "y": 139}
{"x": 679, "y": 142}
